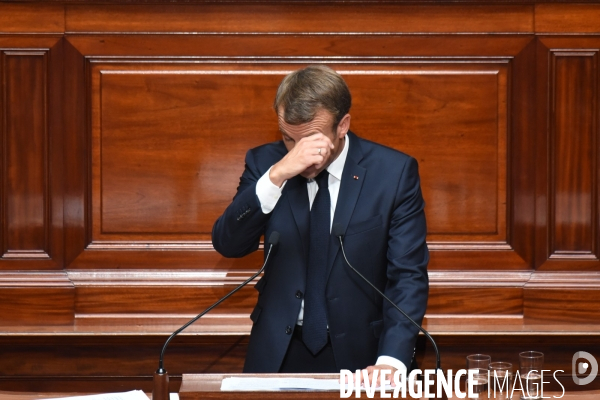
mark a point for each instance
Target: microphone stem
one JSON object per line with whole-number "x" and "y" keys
{"x": 437, "y": 353}
{"x": 190, "y": 322}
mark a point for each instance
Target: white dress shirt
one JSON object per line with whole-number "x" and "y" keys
{"x": 268, "y": 194}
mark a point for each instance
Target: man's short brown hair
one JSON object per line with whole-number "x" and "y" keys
{"x": 303, "y": 92}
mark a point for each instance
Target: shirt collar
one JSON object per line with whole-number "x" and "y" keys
{"x": 337, "y": 166}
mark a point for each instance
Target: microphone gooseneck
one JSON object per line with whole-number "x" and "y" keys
{"x": 273, "y": 240}
{"x": 338, "y": 231}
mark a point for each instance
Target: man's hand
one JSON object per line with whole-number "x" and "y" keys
{"x": 304, "y": 155}
{"x": 379, "y": 368}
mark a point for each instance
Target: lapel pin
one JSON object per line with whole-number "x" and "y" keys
{"x": 355, "y": 177}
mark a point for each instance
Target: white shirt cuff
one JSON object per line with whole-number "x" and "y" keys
{"x": 394, "y": 362}
{"x": 268, "y": 193}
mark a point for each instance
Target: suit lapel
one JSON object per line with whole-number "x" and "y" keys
{"x": 350, "y": 187}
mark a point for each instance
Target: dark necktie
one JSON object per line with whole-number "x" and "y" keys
{"x": 314, "y": 329}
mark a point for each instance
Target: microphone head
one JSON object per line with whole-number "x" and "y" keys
{"x": 337, "y": 229}
{"x": 274, "y": 238}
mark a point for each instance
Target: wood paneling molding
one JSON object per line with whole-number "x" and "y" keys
{"x": 34, "y": 298}
{"x": 566, "y": 18}
{"x": 170, "y": 295}
{"x": 32, "y": 18}
{"x": 300, "y": 18}
{"x": 248, "y": 48}
{"x": 566, "y": 297}
{"x": 169, "y": 292}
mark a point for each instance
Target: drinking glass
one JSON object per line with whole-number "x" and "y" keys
{"x": 530, "y": 369}
{"x": 479, "y": 363}
{"x": 501, "y": 377}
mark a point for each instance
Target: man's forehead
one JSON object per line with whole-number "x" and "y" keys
{"x": 322, "y": 117}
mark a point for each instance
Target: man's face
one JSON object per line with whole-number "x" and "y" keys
{"x": 321, "y": 123}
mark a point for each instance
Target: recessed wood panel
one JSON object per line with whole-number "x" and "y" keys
{"x": 25, "y": 143}
{"x": 574, "y": 150}
{"x": 472, "y": 92}
{"x": 168, "y": 146}
{"x": 567, "y": 206}
{"x": 158, "y": 142}
{"x": 299, "y": 18}
{"x": 452, "y": 119}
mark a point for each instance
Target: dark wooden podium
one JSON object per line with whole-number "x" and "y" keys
{"x": 208, "y": 386}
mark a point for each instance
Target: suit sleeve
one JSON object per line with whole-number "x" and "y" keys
{"x": 237, "y": 232}
{"x": 408, "y": 256}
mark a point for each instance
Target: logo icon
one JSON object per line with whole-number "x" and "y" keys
{"x": 584, "y": 367}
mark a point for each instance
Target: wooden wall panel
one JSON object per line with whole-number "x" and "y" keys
{"x": 312, "y": 48}
{"x": 160, "y": 137}
{"x": 300, "y": 18}
{"x": 475, "y": 301}
{"x": 452, "y": 119}
{"x": 574, "y": 161}
{"x": 155, "y": 155}
{"x": 566, "y": 18}
{"x": 139, "y": 143}
{"x": 523, "y": 144}
{"x": 31, "y": 141}
{"x": 83, "y": 356}
{"x": 36, "y": 298}
{"x": 467, "y": 206}
{"x": 562, "y": 297}
{"x": 568, "y": 212}
{"x": 25, "y": 139}
{"x": 475, "y": 295}
{"x": 164, "y": 292}
{"x": 32, "y": 18}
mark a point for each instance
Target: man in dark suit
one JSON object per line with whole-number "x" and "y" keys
{"x": 313, "y": 313}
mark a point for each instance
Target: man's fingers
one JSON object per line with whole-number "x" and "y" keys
{"x": 318, "y": 139}
{"x": 372, "y": 368}
{"x": 314, "y": 150}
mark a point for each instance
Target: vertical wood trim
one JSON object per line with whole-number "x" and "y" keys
{"x": 76, "y": 151}
{"x": 521, "y": 163}
{"x": 573, "y": 210}
{"x": 25, "y": 192}
{"x": 2, "y": 156}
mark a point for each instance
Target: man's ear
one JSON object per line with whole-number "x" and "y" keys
{"x": 343, "y": 126}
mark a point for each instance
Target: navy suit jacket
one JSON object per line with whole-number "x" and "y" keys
{"x": 381, "y": 210}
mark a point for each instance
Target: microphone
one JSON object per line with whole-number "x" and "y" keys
{"x": 338, "y": 231}
{"x": 160, "y": 390}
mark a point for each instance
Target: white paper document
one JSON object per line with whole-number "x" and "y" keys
{"x": 276, "y": 384}
{"x": 133, "y": 395}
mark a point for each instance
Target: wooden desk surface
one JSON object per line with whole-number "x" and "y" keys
{"x": 207, "y": 386}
